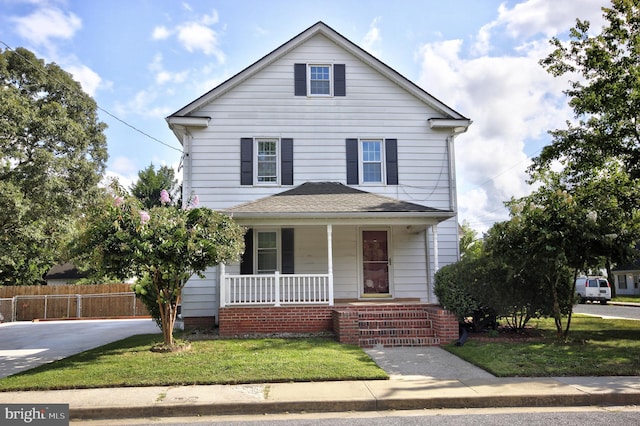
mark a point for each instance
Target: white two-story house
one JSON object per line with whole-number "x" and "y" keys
{"x": 343, "y": 173}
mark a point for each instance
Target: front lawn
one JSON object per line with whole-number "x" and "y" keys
{"x": 129, "y": 362}
{"x": 596, "y": 347}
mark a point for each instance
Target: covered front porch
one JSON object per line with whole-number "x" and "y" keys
{"x": 324, "y": 257}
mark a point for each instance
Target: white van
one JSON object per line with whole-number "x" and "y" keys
{"x": 593, "y": 289}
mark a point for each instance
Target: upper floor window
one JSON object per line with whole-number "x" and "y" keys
{"x": 267, "y": 160}
{"x": 320, "y": 80}
{"x": 372, "y": 161}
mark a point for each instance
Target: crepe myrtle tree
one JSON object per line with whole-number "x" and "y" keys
{"x": 162, "y": 247}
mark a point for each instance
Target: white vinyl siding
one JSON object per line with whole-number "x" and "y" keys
{"x": 264, "y": 105}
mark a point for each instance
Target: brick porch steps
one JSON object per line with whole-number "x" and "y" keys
{"x": 396, "y": 328}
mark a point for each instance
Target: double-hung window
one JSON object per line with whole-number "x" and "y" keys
{"x": 267, "y": 161}
{"x": 320, "y": 80}
{"x": 267, "y": 252}
{"x": 372, "y": 161}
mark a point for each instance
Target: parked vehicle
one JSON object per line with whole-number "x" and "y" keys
{"x": 593, "y": 289}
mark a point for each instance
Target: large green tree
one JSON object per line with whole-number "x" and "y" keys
{"x": 600, "y": 151}
{"x": 151, "y": 182}
{"x": 604, "y": 94}
{"x": 52, "y": 156}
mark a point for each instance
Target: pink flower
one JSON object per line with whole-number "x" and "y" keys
{"x": 164, "y": 197}
{"x": 118, "y": 201}
{"x": 195, "y": 201}
{"x": 144, "y": 217}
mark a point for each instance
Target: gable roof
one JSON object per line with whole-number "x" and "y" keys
{"x": 331, "y": 199}
{"x": 340, "y": 40}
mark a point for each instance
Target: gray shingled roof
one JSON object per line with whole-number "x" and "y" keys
{"x": 329, "y": 197}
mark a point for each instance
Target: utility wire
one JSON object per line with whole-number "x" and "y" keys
{"x": 131, "y": 126}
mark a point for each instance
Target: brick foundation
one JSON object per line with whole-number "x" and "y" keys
{"x": 342, "y": 320}
{"x": 238, "y": 321}
{"x": 199, "y": 322}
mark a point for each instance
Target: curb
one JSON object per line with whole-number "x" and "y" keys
{"x": 361, "y": 405}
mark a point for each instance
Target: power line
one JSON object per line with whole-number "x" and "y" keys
{"x": 131, "y": 126}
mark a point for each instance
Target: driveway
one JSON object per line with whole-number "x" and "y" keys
{"x": 25, "y": 345}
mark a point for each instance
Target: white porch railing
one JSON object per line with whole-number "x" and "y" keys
{"x": 276, "y": 289}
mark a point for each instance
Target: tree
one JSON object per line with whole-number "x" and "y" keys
{"x": 162, "y": 247}
{"x": 52, "y": 157}
{"x": 605, "y": 97}
{"x": 469, "y": 244}
{"x": 151, "y": 182}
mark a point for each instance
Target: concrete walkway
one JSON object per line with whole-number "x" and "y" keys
{"x": 398, "y": 393}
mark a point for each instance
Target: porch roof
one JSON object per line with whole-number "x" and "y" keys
{"x": 333, "y": 200}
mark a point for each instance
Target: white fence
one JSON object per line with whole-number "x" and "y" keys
{"x": 277, "y": 289}
{"x": 103, "y": 305}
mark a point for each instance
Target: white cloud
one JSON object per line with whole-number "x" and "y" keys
{"x": 160, "y": 33}
{"x": 372, "y": 38}
{"x": 89, "y": 79}
{"x": 538, "y": 18}
{"x": 45, "y": 24}
{"x": 195, "y": 35}
{"x": 511, "y": 99}
{"x": 162, "y": 76}
{"x": 124, "y": 170}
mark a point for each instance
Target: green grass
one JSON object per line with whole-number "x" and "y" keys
{"x": 130, "y": 362}
{"x": 633, "y": 299}
{"x": 596, "y": 347}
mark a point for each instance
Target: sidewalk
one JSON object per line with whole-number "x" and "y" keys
{"x": 421, "y": 378}
{"x": 394, "y": 394}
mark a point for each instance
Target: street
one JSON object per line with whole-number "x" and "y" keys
{"x": 608, "y": 311}
{"x": 570, "y": 416}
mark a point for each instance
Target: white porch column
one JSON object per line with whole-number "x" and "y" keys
{"x": 222, "y": 283}
{"x": 434, "y": 231}
{"x": 330, "y": 261}
{"x": 427, "y": 261}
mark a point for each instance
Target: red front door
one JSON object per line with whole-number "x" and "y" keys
{"x": 375, "y": 262}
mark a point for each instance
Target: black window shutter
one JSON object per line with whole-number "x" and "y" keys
{"x": 246, "y": 263}
{"x": 300, "y": 79}
{"x": 286, "y": 166}
{"x": 246, "y": 161}
{"x": 391, "y": 156}
{"x": 352, "y": 162}
{"x": 287, "y": 251}
{"x": 339, "y": 81}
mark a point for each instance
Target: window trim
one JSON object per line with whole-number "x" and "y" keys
{"x": 278, "y": 160}
{"x": 361, "y": 161}
{"x": 330, "y": 80}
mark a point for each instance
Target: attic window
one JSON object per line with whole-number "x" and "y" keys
{"x": 319, "y": 80}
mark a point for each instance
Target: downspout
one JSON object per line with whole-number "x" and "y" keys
{"x": 186, "y": 165}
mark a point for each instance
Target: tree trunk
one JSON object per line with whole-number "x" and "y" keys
{"x": 573, "y": 292}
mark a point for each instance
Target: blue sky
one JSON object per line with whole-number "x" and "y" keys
{"x": 142, "y": 60}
